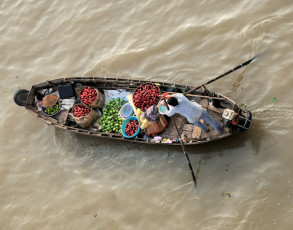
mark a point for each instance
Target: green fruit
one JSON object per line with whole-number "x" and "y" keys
{"x": 111, "y": 120}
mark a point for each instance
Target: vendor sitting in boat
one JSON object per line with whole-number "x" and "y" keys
{"x": 192, "y": 111}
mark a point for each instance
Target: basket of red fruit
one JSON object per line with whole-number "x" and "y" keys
{"x": 131, "y": 127}
{"x": 146, "y": 95}
{"x": 84, "y": 116}
{"x": 92, "y": 97}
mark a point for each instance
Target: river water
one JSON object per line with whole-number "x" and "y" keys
{"x": 53, "y": 179}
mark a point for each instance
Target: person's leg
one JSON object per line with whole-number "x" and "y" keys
{"x": 201, "y": 125}
{"x": 215, "y": 124}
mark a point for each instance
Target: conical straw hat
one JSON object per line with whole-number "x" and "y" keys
{"x": 49, "y": 100}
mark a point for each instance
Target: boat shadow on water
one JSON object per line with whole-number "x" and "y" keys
{"x": 113, "y": 157}
{"x": 81, "y": 146}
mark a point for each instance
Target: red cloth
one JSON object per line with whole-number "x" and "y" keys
{"x": 165, "y": 95}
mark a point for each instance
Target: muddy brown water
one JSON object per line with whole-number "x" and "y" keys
{"x": 53, "y": 179}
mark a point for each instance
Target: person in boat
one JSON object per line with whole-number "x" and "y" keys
{"x": 192, "y": 111}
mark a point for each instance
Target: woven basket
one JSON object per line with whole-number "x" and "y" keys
{"x": 98, "y": 102}
{"x": 88, "y": 120}
{"x": 157, "y": 127}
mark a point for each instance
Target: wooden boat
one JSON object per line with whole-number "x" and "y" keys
{"x": 224, "y": 110}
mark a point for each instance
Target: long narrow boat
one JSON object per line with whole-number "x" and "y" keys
{"x": 233, "y": 118}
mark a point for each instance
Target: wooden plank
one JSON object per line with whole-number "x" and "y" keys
{"x": 62, "y": 116}
{"x": 170, "y": 132}
{"x": 187, "y": 131}
{"x": 200, "y": 96}
{"x": 188, "y": 127}
{"x": 204, "y": 102}
{"x": 49, "y": 119}
{"x": 186, "y": 134}
{"x": 196, "y": 132}
{"x": 179, "y": 121}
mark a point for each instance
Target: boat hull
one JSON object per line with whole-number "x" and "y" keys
{"x": 213, "y": 102}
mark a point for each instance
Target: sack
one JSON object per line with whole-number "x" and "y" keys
{"x": 98, "y": 102}
{"x": 88, "y": 120}
{"x": 152, "y": 113}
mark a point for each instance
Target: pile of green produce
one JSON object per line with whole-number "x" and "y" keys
{"x": 111, "y": 120}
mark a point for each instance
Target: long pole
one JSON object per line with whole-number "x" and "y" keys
{"x": 228, "y": 72}
{"x": 182, "y": 145}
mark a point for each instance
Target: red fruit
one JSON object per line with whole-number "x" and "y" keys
{"x": 80, "y": 110}
{"x": 88, "y": 95}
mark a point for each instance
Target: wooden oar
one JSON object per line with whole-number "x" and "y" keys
{"x": 201, "y": 96}
{"x": 228, "y": 72}
{"x": 182, "y": 145}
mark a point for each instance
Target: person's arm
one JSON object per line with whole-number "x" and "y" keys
{"x": 171, "y": 112}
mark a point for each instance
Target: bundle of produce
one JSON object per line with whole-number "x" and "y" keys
{"x": 92, "y": 97}
{"x": 146, "y": 95}
{"x": 84, "y": 116}
{"x": 144, "y": 123}
{"x": 111, "y": 120}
